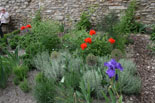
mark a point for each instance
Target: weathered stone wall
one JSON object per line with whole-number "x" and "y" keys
{"x": 69, "y": 11}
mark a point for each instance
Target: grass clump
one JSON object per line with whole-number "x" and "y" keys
{"x": 24, "y": 86}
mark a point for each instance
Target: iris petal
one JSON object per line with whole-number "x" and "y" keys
{"x": 119, "y": 66}
{"x": 111, "y": 73}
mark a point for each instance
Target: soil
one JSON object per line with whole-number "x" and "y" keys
{"x": 13, "y": 94}
{"x": 145, "y": 63}
{"x": 138, "y": 52}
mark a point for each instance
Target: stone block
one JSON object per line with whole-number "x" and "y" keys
{"x": 117, "y": 7}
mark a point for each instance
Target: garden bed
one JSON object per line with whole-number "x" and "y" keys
{"x": 80, "y": 65}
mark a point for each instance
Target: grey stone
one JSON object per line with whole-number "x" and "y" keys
{"x": 60, "y": 9}
{"x": 59, "y": 17}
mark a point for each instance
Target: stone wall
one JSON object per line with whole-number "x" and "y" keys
{"x": 68, "y": 11}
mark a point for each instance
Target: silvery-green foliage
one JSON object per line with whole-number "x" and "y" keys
{"x": 92, "y": 78}
{"x": 75, "y": 64}
{"x": 51, "y": 68}
{"x": 129, "y": 66}
{"x": 65, "y": 54}
{"x": 102, "y": 60}
{"x": 129, "y": 81}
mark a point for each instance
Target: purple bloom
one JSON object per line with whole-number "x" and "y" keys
{"x": 112, "y": 65}
{"x": 119, "y": 66}
{"x": 111, "y": 73}
{"x": 116, "y": 77}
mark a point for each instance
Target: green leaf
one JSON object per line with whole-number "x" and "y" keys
{"x": 112, "y": 96}
{"x": 106, "y": 98}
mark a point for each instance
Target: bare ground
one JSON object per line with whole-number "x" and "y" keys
{"x": 145, "y": 62}
{"x": 13, "y": 94}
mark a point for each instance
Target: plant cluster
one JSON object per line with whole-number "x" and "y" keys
{"x": 73, "y": 66}
{"x": 83, "y": 81}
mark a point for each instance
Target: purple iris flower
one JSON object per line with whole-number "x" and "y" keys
{"x": 116, "y": 77}
{"x": 112, "y": 65}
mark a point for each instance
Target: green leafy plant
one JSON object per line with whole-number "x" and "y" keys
{"x": 153, "y": 37}
{"x": 52, "y": 68}
{"x": 24, "y": 86}
{"x": 99, "y": 47}
{"x": 84, "y": 22}
{"x": 85, "y": 92}
{"x": 13, "y": 42}
{"x": 127, "y": 23}
{"x": 108, "y": 23}
{"x": 7, "y": 65}
{"x": 92, "y": 79}
{"x": 129, "y": 81}
{"x": 20, "y": 72}
{"x": 66, "y": 95}
{"x": 112, "y": 98}
{"x": 37, "y": 19}
{"x": 5, "y": 71}
{"x": 51, "y": 42}
{"x": 72, "y": 79}
{"x": 44, "y": 89}
{"x": 73, "y": 39}
{"x": 3, "y": 45}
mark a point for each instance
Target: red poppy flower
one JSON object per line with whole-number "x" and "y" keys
{"x": 92, "y": 32}
{"x": 28, "y": 26}
{"x": 88, "y": 40}
{"x": 111, "y": 40}
{"x": 22, "y": 28}
{"x": 83, "y": 46}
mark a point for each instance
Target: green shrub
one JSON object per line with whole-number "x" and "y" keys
{"x": 43, "y": 37}
{"x": 52, "y": 68}
{"x": 72, "y": 79}
{"x": 92, "y": 79}
{"x": 107, "y": 23}
{"x": 34, "y": 48}
{"x": 130, "y": 82}
{"x": 16, "y": 81}
{"x": 13, "y": 42}
{"x": 3, "y": 45}
{"x": 51, "y": 42}
{"x": 12, "y": 34}
{"x": 74, "y": 39}
{"x": 46, "y": 28}
{"x": 24, "y": 86}
{"x": 20, "y": 71}
{"x": 84, "y": 22}
{"x": 99, "y": 47}
{"x": 153, "y": 37}
{"x": 127, "y": 23}
{"x": 37, "y": 19}
{"x": 120, "y": 43}
{"x": 44, "y": 90}
{"x": 66, "y": 95}
{"x": 5, "y": 71}
{"x": 140, "y": 28}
